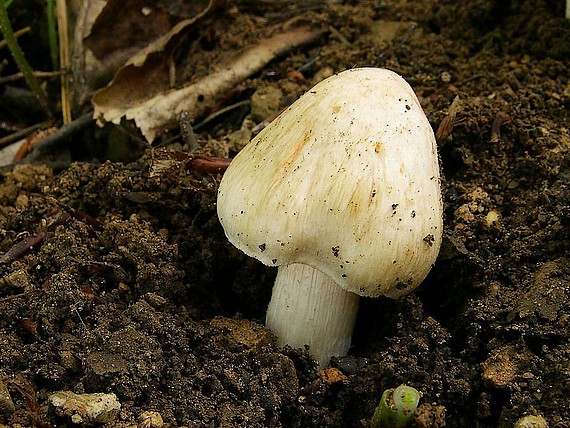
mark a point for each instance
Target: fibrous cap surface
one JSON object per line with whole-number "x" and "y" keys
{"x": 346, "y": 180}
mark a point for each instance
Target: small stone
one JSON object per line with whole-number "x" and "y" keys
{"x": 155, "y": 300}
{"x": 492, "y": 218}
{"x": 499, "y": 374}
{"x": 332, "y": 375}
{"x": 17, "y": 279}
{"x": 85, "y": 408}
{"x": 242, "y": 332}
{"x": 150, "y": 419}
{"x": 531, "y": 421}
{"x": 22, "y": 200}
{"x": 500, "y": 369}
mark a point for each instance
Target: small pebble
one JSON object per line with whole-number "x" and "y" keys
{"x": 85, "y": 408}
{"x": 531, "y": 421}
{"x": 150, "y": 419}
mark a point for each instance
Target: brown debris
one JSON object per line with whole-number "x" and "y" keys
{"x": 445, "y": 128}
{"x": 21, "y": 247}
{"x": 500, "y": 119}
{"x": 169, "y": 161}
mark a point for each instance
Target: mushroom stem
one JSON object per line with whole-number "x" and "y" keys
{"x": 309, "y": 308}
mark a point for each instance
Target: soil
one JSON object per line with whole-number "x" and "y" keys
{"x": 132, "y": 288}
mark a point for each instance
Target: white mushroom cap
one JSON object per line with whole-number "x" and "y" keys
{"x": 346, "y": 180}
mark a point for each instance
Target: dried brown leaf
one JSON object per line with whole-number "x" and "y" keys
{"x": 156, "y": 112}
{"x": 146, "y": 73}
{"x": 109, "y": 32}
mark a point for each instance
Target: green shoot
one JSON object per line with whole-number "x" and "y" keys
{"x": 396, "y": 407}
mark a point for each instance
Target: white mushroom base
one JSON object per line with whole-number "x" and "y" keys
{"x": 309, "y": 308}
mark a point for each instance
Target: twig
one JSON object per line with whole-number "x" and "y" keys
{"x": 21, "y": 247}
{"x": 64, "y": 57}
{"x": 339, "y": 36}
{"x": 30, "y": 140}
{"x": 187, "y": 132}
{"x": 221, "y": 112}
{"x": 77, "y": 214}
{"x": 9, "y": 126}
{"x": 309, "y": 64}
{"x": 17, "y": 34}
{"x": 21, "y": 62}
{"x": 20, "y": 75}
{"x": 18, "y": 135}
{"x": 64, "y": 132}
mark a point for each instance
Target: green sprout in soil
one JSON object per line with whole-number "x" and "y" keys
{"x": 396, "y": 407}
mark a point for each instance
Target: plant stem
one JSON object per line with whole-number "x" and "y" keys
{"x": 52, "y": 34}
{"x": 21, "y": 62}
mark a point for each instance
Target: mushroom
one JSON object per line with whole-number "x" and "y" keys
{"x": 342, "y": 193}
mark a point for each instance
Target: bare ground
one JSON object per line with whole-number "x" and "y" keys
{"x": 150, "y": 302}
